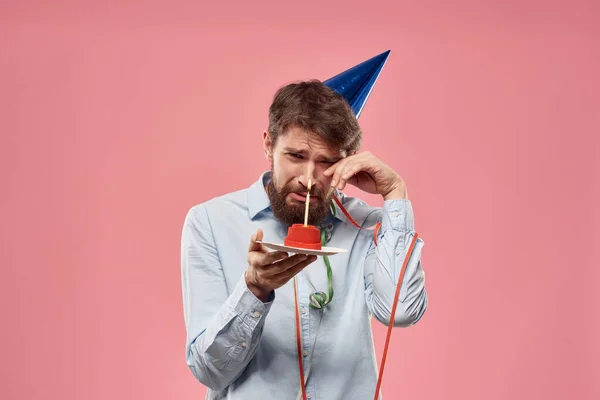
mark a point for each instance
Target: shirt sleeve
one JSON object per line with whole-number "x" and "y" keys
{"x": 223, "y": 328}
{"x": 384, "y": 262}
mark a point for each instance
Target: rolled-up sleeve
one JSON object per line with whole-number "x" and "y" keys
{"x": 384, "y": 262}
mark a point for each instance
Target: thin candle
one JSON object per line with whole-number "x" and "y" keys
{"x": 307, "y": 203}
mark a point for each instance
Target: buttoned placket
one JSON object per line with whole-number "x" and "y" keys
{"x": 306, "y": 315}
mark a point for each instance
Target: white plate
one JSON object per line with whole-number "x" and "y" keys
{"x": 325, "y": 251}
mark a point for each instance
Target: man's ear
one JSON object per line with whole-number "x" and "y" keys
{"x": 267, "y": 146}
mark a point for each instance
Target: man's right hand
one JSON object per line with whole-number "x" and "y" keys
{"x": 268, "y": 271}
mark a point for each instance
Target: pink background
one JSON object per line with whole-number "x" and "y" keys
{"x": 116, "y": 117}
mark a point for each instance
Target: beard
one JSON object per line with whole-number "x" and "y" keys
{"x": 290, "y": 214}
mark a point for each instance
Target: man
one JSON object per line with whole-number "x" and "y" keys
{"x": 239, "y": 296}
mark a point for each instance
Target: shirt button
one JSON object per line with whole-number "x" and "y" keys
{"x": 395, "y": 213}
{"x": 303, "y": 310}
{"x": 308, "y": 395}
{"x": 244, "y": 344}
{"x": 305, "y": 353}
{"x": 256, "y": 314}
{"x": 398, "y": 252}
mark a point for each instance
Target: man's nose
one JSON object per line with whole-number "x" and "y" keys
{"x": 307, "y": 180}
{"x": 307, "y": 176}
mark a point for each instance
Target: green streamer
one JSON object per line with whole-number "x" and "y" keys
{"x": 319, "y": 300}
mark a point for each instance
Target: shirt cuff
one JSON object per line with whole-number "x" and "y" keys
{"x": 248, "y": 307}
{"x": 398, "y": 215}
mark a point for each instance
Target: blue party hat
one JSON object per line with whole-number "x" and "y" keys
{"x": 356, "y": 83}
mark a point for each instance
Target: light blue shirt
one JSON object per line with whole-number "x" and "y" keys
{"x": 244, "y": 349}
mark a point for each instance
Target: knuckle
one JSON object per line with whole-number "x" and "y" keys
{"x": 255, "y": 259}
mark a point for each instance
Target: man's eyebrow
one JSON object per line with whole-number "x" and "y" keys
{"x": 332, "y": 159}
{"x": 292, "y": 150}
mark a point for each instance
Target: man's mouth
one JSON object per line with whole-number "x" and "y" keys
{"x": 302, "y": 197}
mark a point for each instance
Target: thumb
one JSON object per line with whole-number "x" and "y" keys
{"x": 256, "y": 246}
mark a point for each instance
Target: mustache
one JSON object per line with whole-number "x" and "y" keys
{"x": 321, "y": 194}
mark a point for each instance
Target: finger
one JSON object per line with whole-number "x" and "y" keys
{"x": 272, "y": 257}
{"x": 339, "y": 166}
{"x": 265, "y": 261}
{"x": 348, "y": 172}
{"x": 284, "y": 265}
{"x": 292, "y": 271}
{"x": 331, "y": 169}
{"x": 363, "y": 162}
{"x": 257, "y": 246}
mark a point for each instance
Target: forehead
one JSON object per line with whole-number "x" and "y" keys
{"x": 299, "y": 139}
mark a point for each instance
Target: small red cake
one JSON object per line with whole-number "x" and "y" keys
{"x": 304, "y": 237}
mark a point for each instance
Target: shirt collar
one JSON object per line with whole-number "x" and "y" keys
{"x": 258, "y": 200}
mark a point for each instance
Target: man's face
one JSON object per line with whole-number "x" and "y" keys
{"x": 297, "y": 157}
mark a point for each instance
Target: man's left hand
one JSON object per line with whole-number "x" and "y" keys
{"x": 368, "y": 173}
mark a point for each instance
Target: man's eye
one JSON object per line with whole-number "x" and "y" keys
{"x": 295, "y": 155}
